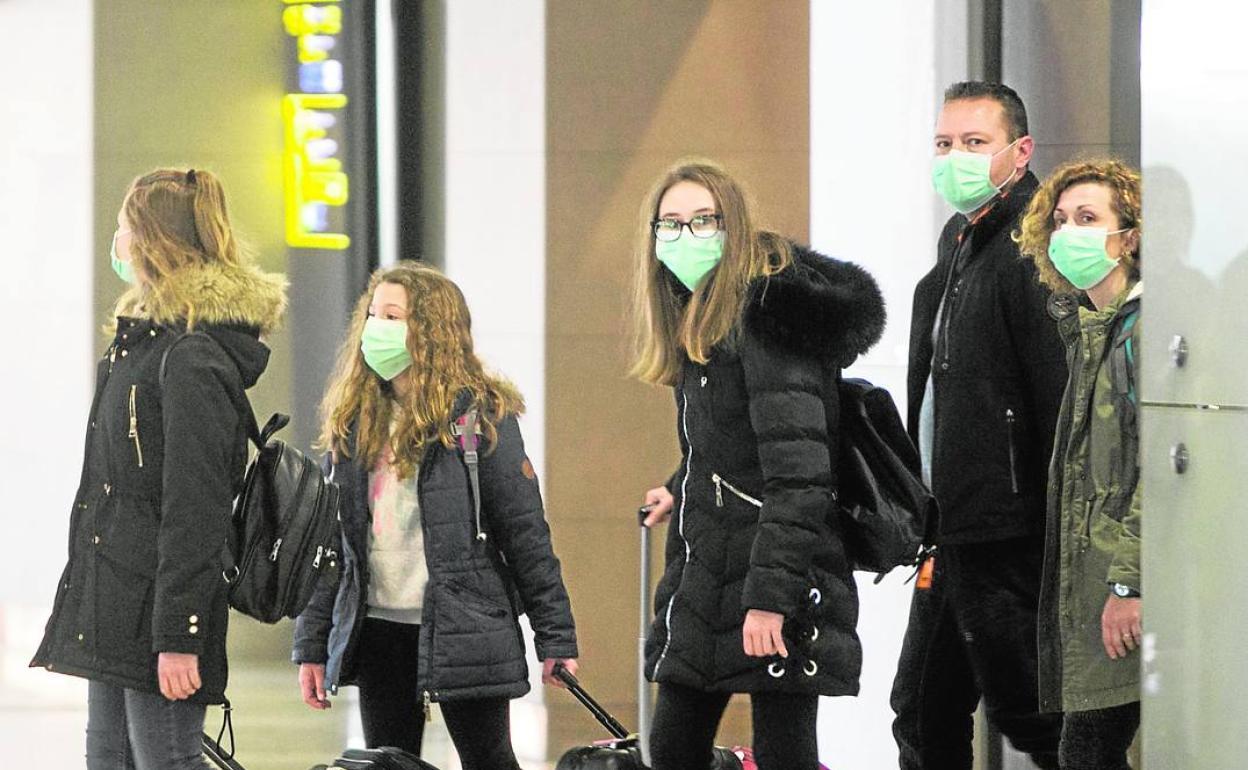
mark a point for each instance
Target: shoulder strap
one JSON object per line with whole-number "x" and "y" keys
{"x": 466, "y": 430}
{"x": 248, "y": 414}
{"x": 1124, "y": 340}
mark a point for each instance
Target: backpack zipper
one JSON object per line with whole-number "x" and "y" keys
{"x": 1009, "y": 428}
{"x": 134, "y": 424}
{"x": 721, "y": 482}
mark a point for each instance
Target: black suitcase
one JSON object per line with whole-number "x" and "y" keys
{"x": 384, "y": 758}
{"x": 624, "y": 751}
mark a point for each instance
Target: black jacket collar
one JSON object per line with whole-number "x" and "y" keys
{"x": 1003, "y": 214}
{"x": 817, "y": 306}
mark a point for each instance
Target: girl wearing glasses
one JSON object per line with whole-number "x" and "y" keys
{"x": 751, "y": 332}
{"x": 439, "y": 561}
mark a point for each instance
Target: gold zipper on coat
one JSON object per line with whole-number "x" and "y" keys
{"x": 134, "y": 424}
{"x": 720, "y": 483}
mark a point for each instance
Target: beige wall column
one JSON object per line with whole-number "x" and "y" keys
{"x": 631, "y": 88}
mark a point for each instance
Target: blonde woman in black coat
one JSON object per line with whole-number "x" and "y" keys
{"x": 141, "y": 607}
{"x": 751, "y": 333}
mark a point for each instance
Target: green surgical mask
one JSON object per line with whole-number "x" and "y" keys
{"x": 384, "y": 344}
{"x": 124, "y": 270}
{"x": 1079, "y": 254}
{"x": 964, "y": 179}
{"x": 690, "y": 258}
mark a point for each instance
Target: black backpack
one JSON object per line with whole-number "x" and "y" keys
{"x": 284, "y": 532}
{"x": 885, "y": 503}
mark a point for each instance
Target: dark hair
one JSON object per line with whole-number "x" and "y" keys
{"x": 1011, "y": 104}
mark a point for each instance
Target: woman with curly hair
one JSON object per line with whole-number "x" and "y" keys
{"x": 1083, "y": 232}
{"x": 441, "y": 552}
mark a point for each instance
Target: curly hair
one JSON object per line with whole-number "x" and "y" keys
{"x": 439, "y": 337}
{"x": 1037, "y": 226}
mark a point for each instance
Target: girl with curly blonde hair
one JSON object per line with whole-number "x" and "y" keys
{"x": 443, "y": 546}
{"x": 1083, "y": 232}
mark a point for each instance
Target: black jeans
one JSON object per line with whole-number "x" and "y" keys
{"x": 392, "y": 703}
{"x": 133, "y": 730}
{"x": 1099, "y": 739}
{"x": 973, "y": 634}
{"x": 685, "y": 721}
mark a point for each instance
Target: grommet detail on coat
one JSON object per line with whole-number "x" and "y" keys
{"x": 704, "y": 380}
{"x": 96, "y": 539}
{"x": 816, "y": 596}
{"x": 776, "y": 669}
{"x": 80, "y": 637}
{"x": 193, "y": 619}
{"x": 814, "y": 633}
{"x": 152, "y": 332}
{"x": 810, "y": 668}
{"x": 193, "y": 629}
{"x": 123, "y": 353}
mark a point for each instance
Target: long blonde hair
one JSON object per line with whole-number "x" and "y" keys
{"x": 177, "y": 219}
{"x": 1123, "y": 183}
{"x": 439, "y": 337}
{"x": 664, "y": 332}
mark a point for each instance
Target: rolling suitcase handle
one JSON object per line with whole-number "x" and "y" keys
{"x": 643, "y": 625}
{"x": 212, "y": 748}
{"x": 601, "y": 714}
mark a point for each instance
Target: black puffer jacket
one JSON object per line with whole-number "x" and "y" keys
{"x": 470, "y": 641}
{"x": 999, "y": 374}
{"x": 755, "y": 525}
{"x": 161, "y": 470}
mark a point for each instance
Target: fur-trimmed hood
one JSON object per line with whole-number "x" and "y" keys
{"x": 234, "y": 305}
{"x": 818, "y": 306}
{"x": 230, "y": 295}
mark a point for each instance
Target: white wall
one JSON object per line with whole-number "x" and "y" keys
{"x": 495, "y": 167}
{"x": 48, "y": 361}
{"x": 877, "y": 74}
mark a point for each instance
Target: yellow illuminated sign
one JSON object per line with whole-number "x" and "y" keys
{"x": 315, "y": 183}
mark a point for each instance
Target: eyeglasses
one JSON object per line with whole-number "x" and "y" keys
{"x": 701, "y": 226}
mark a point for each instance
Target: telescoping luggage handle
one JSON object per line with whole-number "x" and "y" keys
{"x": 601, "y": 714}
{"x": 643, "y": 625}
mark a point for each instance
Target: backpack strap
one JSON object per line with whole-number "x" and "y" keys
{"x": 248, "y": 414}
{"x": 466, "y": 429}
{"x": 1122, "y": 353}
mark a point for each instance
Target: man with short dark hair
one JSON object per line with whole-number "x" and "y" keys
{"x": 985, "y": 380}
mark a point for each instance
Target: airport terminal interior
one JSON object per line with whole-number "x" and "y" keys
{"x": 510, "y": 143}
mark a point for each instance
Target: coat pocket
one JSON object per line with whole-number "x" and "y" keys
{"x": 725, "y": 487}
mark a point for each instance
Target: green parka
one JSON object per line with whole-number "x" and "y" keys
{"x": 1093, "y": 524}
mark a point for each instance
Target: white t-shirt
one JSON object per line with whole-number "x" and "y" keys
{"x": 396, "y": 547}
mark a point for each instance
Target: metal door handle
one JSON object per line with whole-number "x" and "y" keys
{"x": 1179, "y": 457}
{"x": 1178, "y": 350}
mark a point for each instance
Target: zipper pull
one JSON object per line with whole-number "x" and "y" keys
{"x": 428, "y": 711}
{"x": 316, "y": 562}
{"x": 1009, "y": 415}
{"x": 719, "y": 490}
{"x": 134, "y": 424}
{"x": 276, "y": 547}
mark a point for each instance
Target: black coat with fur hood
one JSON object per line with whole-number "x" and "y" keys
{"x": 162, "y": 465}
{"x": 754, "y": 525}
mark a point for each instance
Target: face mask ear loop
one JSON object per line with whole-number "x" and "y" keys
{"x": 1014, "y": 171}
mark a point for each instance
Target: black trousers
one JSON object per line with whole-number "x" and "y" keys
{"x": 685, "y": 722}
{"x": 973, "y": 634}
{"x": 1099, "y": 739}
{"x": 392, "y": 704}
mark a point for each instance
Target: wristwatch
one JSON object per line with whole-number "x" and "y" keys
{"x": 1124, "y": 591}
